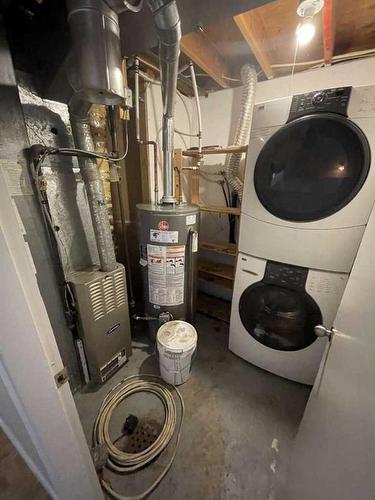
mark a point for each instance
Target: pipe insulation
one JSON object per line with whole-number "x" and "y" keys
{"x": 167, "y": 23}
{"x": 242, "y": 134}
{"x": 94, "y": 188}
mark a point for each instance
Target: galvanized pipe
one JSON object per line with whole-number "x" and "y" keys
{"x": 93, "y": 183}
{"x": 167, "y": 22}
{"x": 197, "y": 104}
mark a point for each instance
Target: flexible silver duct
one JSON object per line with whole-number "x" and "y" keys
{"x": 78, "y": 111}
{"x": 167, "y": 22}
{"x": 242, "y": 135}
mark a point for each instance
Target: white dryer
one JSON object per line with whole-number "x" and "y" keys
{"x": 275, "y": 308}
{"x": 309, "y": 186}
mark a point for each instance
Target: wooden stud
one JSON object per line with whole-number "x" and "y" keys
{"x": 195, "y": 184}
{"x": 220, "y": 248}
{"x": 177, "y": 177}
{"x": 224, "y": 271}
{"x": 328, "y": 30}
{"x": 215, "y": 151}
{"x": 253, "y": 30}
{"x": 200, "y": 50}
{"x": 220, "y": 210}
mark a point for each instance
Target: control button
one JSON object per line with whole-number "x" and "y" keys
{"x": 318, "y": 98}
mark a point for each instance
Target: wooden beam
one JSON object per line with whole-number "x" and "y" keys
{"x": 254, "y": 32}
{"x": 215, "y": 151}
{"x": 177, "y": 156}
{"x": 220, "y": 248}
{"x": 194, "y": 184}
{"x": 224, "y": 271}
{"x": 221, "y": 210}
{"x": 200, "y": 50}
{"x": 328, "y": 31}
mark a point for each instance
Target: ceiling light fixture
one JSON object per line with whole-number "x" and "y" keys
{"x": 307, "y": 10}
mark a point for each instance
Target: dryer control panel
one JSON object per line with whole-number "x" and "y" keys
{"x": 328, "y": 101}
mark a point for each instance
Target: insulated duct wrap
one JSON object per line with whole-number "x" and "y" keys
{"x": 95, "y": 191}
{"x": 242, "y": 135}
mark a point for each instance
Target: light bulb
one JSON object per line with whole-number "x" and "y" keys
{"x": 305, "y": 32}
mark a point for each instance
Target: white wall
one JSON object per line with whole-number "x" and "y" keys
{"x": 183, "y": 122}
{"x": 335, "y": 447}
{"x": 220, "y": 112}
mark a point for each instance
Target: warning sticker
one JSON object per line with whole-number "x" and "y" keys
{"x": 166, "y": 276}
{"x": 191, "y": 219}
{"x": 161, "y": 236}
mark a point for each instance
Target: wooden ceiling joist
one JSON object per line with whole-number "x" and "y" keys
{"x": 328, "y": 30}
{"x": 200, "y": 50}
{"x": 252, "y": 28}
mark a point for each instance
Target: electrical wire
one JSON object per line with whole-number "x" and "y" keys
{"x": 122, "y": 462}
{"x": 339, "y": 58}
{"x": 224, "y": 193}
{"x": 89, "y": 154}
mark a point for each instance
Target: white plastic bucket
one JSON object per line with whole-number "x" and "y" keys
{"x": 177, "y": 342}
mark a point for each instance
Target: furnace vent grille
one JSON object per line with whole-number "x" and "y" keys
{"x": 107, "y": 294}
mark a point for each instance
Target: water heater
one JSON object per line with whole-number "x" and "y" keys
{"x": 168, "y": 236}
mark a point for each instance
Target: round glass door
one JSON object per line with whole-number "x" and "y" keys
{"x": 312, "y": 167}
{"x": 278, "y": 317}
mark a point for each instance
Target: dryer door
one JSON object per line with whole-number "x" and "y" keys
{"x": 312, "y": 167}
{"x": 278, "y": 317}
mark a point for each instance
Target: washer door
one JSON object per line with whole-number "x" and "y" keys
{"x": 312, "y": 167}
{"x": 278, "y": 317}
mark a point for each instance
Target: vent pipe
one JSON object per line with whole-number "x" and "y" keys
{"x": 97, "y": 77}
{"x": 167, "y": 22}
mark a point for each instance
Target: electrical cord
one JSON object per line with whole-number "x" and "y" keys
{"x": 82, "y": 152}
{"x": 122, "y": 462}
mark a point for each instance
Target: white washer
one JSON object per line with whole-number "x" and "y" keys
{"x": 274, "y": 310}
{"x": 309, "y": 186}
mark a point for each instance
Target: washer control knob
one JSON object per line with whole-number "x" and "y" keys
{"x": 318, "y": 98}
{"x": 322, "y": 331}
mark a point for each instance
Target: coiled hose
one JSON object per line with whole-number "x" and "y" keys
{"x": 122, "y": 462}
{"x": 242, "y": 135}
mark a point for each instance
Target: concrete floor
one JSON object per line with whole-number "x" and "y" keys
{"x": 17, "y": 482}
{"x": 239, "y": 424}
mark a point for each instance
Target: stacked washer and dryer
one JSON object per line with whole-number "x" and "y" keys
{"x": 308, "y": 192}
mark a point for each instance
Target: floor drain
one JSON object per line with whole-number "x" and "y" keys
{"x": 144, "y": 435}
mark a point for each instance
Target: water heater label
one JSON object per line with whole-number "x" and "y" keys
{"x": 191, "y": 220}
{"x": 159, "y": 236}
{"x": 166, "y": 274}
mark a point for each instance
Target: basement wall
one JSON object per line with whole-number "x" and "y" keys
{"x": 220, "y": 112}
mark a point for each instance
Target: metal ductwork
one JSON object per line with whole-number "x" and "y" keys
{"x": 96, "y": 77}
{"x": 96, "y": 73}
{"x": 167, "y": 22}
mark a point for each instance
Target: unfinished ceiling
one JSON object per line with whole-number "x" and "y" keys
{"x": 265, "y": 36}
{"x": 218, "y": 35}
